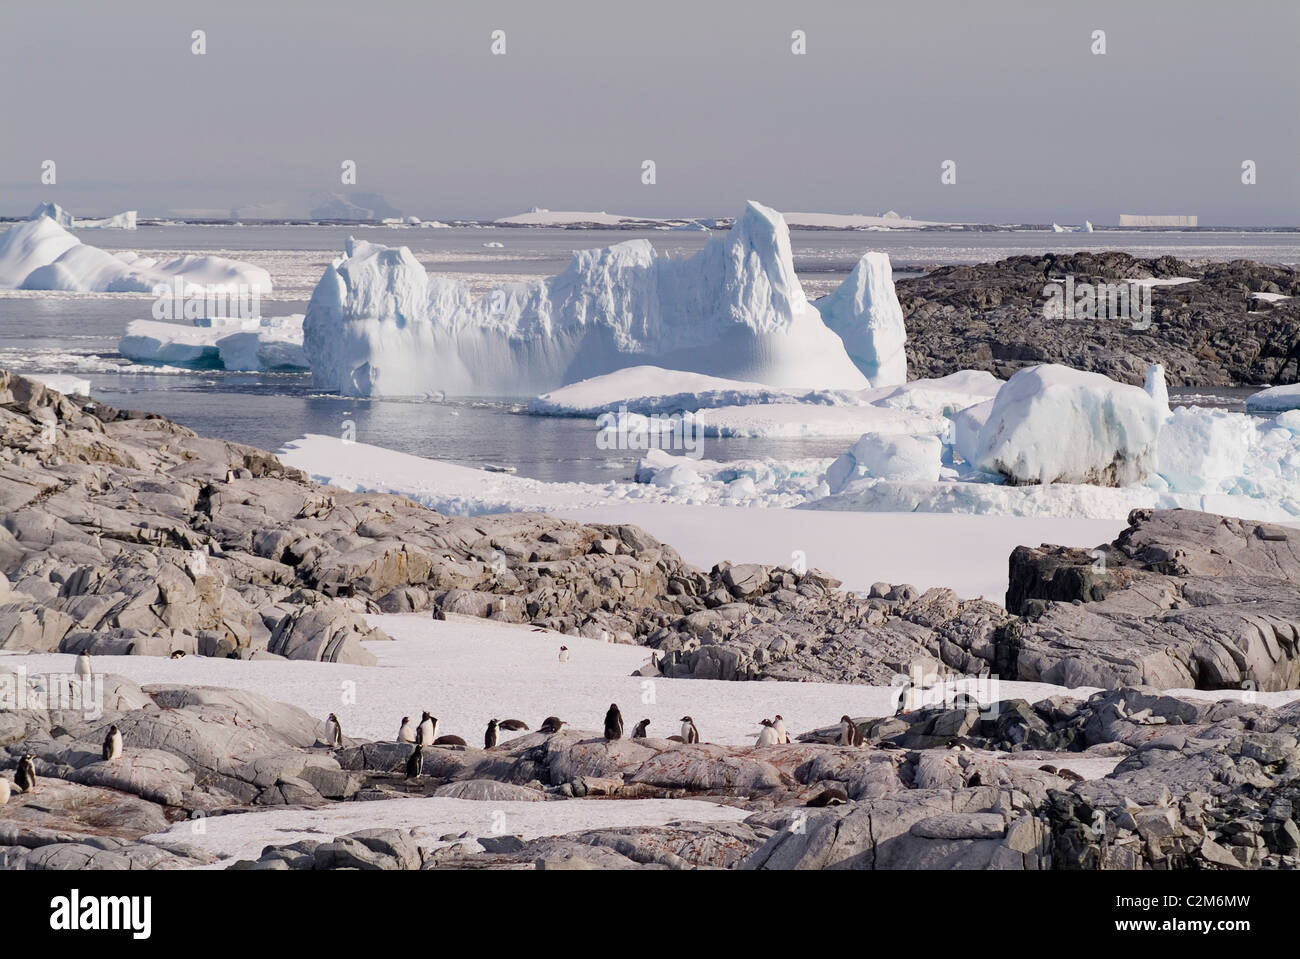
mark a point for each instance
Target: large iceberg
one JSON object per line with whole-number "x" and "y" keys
{"x": 379, "y": 325}
{"x": 118, "y": 221}
{"x": 1053, "y": 424}
{"x": 39, "y": 254}
{"x": 865, "y": 312}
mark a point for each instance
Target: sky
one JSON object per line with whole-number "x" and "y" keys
{"x": 1039, "y": 127}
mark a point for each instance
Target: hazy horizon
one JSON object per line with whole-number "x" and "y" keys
{"x": 1040, "y": 128}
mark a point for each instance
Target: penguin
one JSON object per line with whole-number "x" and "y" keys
{"x": 512, "y": 724}
{"x": 613, "y": 723}
{"x": 4, "y": 790}
{"x": 177, "y": 654}
{"x": 850, "y": 734}
{"x": 415, "y": 764}
{"x": 564, "y": 654}
{"x": 428, "y": 729}
{"x": 449, "y": 741}
{"x": 782, "y": 737}
{"x": 689, "y": 733}
{"x": 113, "y": 744}
{"x": 25, "y": 777}
{"x": 975, "y": 780}
{"x": 406, "y": 734}
{"x": 490, "y": 737}
{"x": 83, "y": 666}
{"x": 333, "y": 731}
{"x": 640, "y": 731}
{"x": 958, "y": 745}
{"x": 1048, "y": 769}
{"x": 768, "y": 736}
{"x": 1071, "y": 775}
{"x": 551, "y": 724}
{"x": 830, "y": 796}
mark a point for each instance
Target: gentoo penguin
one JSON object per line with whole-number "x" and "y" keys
{"x": 830, "y": 796}
{"x": 449, "y": 741}
{"x": 406, "y": 734}
{"x": 959, "y": 745}
{"x": 415, "y": 764}
{"x": 490, "y": 737}
{"x": 613, "y": 723}
{"x": 25, "y": 777}
{"x": 113, "y": 744}
{"x": 850, "y": 734}
{"x": 1071, "y": 775}
{"x": 689, "y": 733}
{"x": 83, "y": 666}
{"x": 4, "y": 790}
{"x": 177, "y": 654}
{"x": 564, "y": 654}
{"x": 333, "y": 731}
{"x": 512, "y": 724}
{"x": 767, "y": 737}
{"x": 778, "y": 724}
{"x": 641, "y": 729}
{"x": 428, "y": 729}
{"x": 551, "y": 724}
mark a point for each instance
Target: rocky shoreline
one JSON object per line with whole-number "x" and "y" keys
{"x": 127, "y": 534}
{"x": 1213, "y": 332}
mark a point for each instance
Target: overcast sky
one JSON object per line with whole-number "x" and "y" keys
{"x": 1040, "y": 128}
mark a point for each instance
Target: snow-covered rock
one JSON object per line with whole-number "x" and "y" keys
{"x": 39, "y": 254}
{"x": 912, "y": 458}
{"x": 865, "y": 313}
{"x": 118, "y": 221}
{"x": 269, "y": 344}
{"x": 379, "y": 325}
{"x": 1053, "y": 424}
{"x": 1276, "y": 399}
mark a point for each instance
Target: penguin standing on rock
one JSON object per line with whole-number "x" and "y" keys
{"x": 83, "y": 666}
{"x": 113, "y": 744}
{"x": 415, "y": 764}
{"x": 768, "y": 736}
{"x": 25, "y": 777}
{"x": 641, "y": 729}
{"x": 490, "y": 737}
{"x": 689, "y": 733}
{"x": 428, "y": 730}
{"x": 850, "y": 734}
{"x": 613, "y": 723}
{"x": 406, "y": 734}
{"x": 782, "y": 737}
{"x": 333, "y": 731}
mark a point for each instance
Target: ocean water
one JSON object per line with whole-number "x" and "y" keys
{"x": 78, "y": 333}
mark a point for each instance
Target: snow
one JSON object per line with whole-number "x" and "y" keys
{"x": 253, "y": 345}
{"x": 118, "y": 221}
{"x": 39, "y": 254}
{"x": 802, "y": 420}
{"x": 378, "y": 325}
{"x": 1053, "y": 424}
{"x": 1276, "y": 399}
{"x": 865, "y": 313}
{"x": 651, "y": 389}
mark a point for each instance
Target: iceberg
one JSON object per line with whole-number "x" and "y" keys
{"x": 119, "y": 221}
{"x": 1276, "y": 399}
{"x": 270, "y": 344}
{"x": 1054, "y": 424}
{"x": 875, "y": 456}
{"x": 379, "y": 325}
{"x": 41, "y": 255}
{"x": 865, "y": 313}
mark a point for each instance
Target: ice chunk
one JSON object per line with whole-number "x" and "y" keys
{"x": 378, "y": 325}
{"x": 1053, "y": 424}
{"x": 865, "y": 313}
{"x": 965, "y": 433}
{"x": 898, "y": 457}
{"x": 1155, "y": 386}
{"x": 1275, "y": 400}
{"x": 271, "y": 344}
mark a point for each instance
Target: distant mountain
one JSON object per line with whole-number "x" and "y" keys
{"x": 352, "y": 206}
